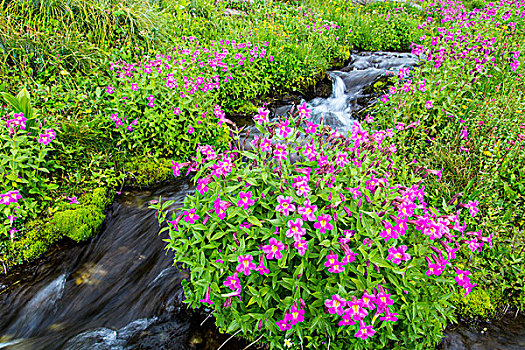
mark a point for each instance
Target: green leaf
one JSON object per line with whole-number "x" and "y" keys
{"x": 254, "y": 221}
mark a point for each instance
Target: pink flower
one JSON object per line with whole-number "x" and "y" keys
{"x": 207, "y": 151}
{"x": 307, "y": 211}
{"x": 245, "y": 264}
{"x": 280, "y": 152}
{"x": 283, "y": 129}
{"x": 341, "y": 159}
{"x": 301, "y": 245}
{"x": 51, "y": 133}
{"x": 429, "y": 105}
{"x": 389, "y": 316}
{"x": 462, "y": 277}
{"x": 335, "y": 305}
{"x": 44, "y": 139}
{"x": 468, "y": 288}
{"x": 273, "y": 249}
{"x": 357, "y": 312}
{"x": 262, "y": 117}
{"x": 355, "y": 192}
{"x": 176, "y": 167}
{"x": 285, "y": 206}
{"x": 323, "y": 223}
{"x": 302, "y": 188}
{"x": 263, "y": 270}
{"x": 72, "y": 200}
{"x": 202, "y": 186}
{"x": 295, "y": 316}
{"x": 347, "y": 319}
{"x": 296, "y": 229}
{"x": 265, "y": 145}
{"x": 383, "y": 300}
{"x": 190, "y": 216}
{"x": 220, "y": 207}
{"x": 389, "y": 232}
{"x": 368, "y": 300}
{"x": 433, "y": 268}
{"x": 304, "y": 111}
{"x": 406, "y": 208}
{"x": 473, "y": 207}
{"x": 207, "y": 299}
{"x": 349, "y": 257}
{"x": 311, "y": 128}
{"x": 364, "y": 331}
{"x": 398, "y": 255}
{"x": 245, "y": 200}
{"x": 191, "y": 130}
{"x": 337, "y": 268}
{"x": 233, "y": 282}
{"x": 283, "y": 325}
{"x": 310, "y": 152}
{"x": 176, "y": 111}
{"x": 110, "y": 89}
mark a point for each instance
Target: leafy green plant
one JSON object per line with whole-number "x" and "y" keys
{"x": 309, "y": 237}
{"x": 467, "y": 119}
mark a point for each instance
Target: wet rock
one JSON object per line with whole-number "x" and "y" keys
{"x": 96, "y": 339}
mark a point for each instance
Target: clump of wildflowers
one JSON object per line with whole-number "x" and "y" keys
{"x": 333, "y": 232}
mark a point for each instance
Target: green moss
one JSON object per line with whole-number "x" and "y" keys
{"x": 78, "y": 224}
{"x": 147, "y": 171}
{"x": 246, "y": 108}
{"x": 480, "y": 303}
{"x": 76, "y": 221}
{"x": 38, "y": 237}
{"x": 100, "y": 198}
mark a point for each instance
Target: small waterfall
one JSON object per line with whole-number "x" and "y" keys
{"x": 338, "y": 86}
{"x": 351, "y": 88}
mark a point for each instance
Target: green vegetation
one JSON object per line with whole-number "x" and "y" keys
{"x": 66, "y": 53}
{"x": 101, "y": 94}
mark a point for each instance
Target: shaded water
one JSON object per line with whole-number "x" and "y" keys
{"x": 120, "y": 290}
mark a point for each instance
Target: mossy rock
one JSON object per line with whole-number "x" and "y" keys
{"x": 479, "y": 304}
{"x": 78, "y": 224}
{"x": 100, "y": 198}
{"x": 38, "y": 238}
{"x": 76, "y": 221}
{"x": 147, "y": 171}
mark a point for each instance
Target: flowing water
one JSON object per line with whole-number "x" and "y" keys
{"x": 121, "y": 290}
{"x": 352, "y": 87}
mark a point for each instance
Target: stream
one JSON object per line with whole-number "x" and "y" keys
{"x": 120, "y": 290}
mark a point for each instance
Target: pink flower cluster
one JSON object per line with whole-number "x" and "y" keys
{"x": 121, "y": 121}
{"x": 18, "y": 121}
{"x": 10, "y": 197}
{"x": 356, "y": 310}
{"x": 48, "y": 136}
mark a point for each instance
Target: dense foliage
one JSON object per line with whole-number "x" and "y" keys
{"x": 123, "y": 92}
{"x": 310, "y": 237}
{"x": 70, "y": 55}
{"x": 467, "y": 100}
